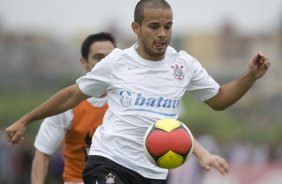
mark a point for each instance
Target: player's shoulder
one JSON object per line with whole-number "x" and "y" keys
{"x": 179, "y": 55}
{"x": 97, "y": 102}
{"x": 62, "y": 120}
{"x": 118, "y": 56}
{"x": 115, "y": 52}
{"x": 127, "y": 51}
{"x": 110, "y": 59}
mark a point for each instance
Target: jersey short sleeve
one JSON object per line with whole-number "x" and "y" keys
{"x": 202, "y": 86}
{"x": 52, "y": 132}
{"x": 95, "y": 82}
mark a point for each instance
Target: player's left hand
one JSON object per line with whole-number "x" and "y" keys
{"x": 258, "y": 66}
{"x": 215, "y": 161}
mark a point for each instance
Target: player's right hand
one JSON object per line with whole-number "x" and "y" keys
{"x": 15, "y": 132}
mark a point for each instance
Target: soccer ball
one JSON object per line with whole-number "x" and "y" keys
{"x": 168, "y": 143}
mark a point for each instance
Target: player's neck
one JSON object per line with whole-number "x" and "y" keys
{"x": 143, "y": 54}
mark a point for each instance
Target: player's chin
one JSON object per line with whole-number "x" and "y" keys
{"x": 158, "y": 54}
{"x": 160, "y": 51}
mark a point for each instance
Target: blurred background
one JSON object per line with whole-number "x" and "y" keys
{"x": 40, "y": 51}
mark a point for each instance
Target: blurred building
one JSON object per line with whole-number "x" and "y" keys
{"x": 36, "y": 60}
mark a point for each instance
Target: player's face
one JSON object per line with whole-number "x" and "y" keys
{"x": 97, "y": 51}
{"x": 155, "y": 33}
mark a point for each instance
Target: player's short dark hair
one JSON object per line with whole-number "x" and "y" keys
{"x": 142, "y": 4}
{"x": 86, "y": 44}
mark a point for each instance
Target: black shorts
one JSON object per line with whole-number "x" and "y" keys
{"x": 100, "y": 170}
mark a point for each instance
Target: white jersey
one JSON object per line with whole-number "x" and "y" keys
{"x": 140, "y": 92}
{"x": 53, "y": 129}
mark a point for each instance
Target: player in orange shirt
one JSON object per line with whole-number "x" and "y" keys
{"x": 75, "y": 126}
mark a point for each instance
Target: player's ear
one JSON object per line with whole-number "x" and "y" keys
{"x": 84, "y": 63}
{"x": 135, "y": 27}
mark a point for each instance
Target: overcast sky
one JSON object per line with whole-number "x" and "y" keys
{"x": 72, "y": 16}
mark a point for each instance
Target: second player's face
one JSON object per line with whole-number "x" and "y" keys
{"x": 155, "y": 33}
{"x": 97, "y": 52}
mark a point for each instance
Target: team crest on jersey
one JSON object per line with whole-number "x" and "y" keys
{"x": 177, "y": 68}
{"x": 110, "y": 178}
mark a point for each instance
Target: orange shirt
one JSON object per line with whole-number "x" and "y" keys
{"x": 86, "y": 118}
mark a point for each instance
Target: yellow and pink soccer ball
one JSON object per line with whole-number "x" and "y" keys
{"x": 168, "y": 143}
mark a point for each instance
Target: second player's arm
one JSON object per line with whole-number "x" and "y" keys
{"x": 208, "y": 160}
{"x": 49, "y": 137}
{"x": 39, "y": 169}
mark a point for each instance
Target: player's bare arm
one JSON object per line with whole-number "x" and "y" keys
{"x": 39, "y": 167}
{"x": 231, "y": 92}
{"x": 208, "y": 160}
{"x": 60, "y": 102}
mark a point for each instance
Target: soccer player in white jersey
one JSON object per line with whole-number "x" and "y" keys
{"x": 76, "y": 126}
{"x": 154, "y": 78}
